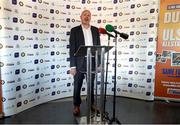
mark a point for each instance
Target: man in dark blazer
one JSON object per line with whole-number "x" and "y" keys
{"x": 84, "y": 34}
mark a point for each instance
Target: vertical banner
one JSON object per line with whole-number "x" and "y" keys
{"x": 167, "y": 83}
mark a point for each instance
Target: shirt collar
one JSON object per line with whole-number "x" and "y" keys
{"x": 85, "y": 28}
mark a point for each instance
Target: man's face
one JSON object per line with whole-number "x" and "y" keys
{"x": 86, "y": 17}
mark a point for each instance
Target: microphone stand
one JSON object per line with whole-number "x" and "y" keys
{"x": 107, "y": 63}
{"x": 114, "y": 119}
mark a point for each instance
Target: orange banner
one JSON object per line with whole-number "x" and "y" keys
{"x": 167, "y": 82}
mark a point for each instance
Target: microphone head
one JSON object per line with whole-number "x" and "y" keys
{"x": 124, "y": 36}
{"x": 102, "y": 31}
{"x": 109, "y": 28}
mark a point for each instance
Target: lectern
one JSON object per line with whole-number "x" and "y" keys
{"x": 89, "y": 52}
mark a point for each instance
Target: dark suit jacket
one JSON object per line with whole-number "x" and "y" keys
{"x": 76, "y": 40}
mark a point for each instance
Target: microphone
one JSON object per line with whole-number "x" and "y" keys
{"x": 103, "y": 31}
{"x": 110, "y": 28}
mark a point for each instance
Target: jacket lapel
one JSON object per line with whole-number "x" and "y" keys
{"x": 81, "y": 36}
{"x": 93, "y": 36}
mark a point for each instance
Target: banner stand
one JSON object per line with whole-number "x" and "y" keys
{"x": 168, "y": 100}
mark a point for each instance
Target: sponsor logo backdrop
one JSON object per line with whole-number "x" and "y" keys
{"x": 34, "y": 48}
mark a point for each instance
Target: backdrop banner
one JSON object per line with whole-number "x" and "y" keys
{"x": 34, "y": 48}
{"x": 167, "y": 83}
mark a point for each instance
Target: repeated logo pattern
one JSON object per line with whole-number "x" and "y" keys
{"x": 34, "y": 48}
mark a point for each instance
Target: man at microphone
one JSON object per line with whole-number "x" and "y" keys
{"x": 88, "y": 35}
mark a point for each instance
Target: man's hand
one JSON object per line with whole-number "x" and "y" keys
{"x": 73, "y": 71}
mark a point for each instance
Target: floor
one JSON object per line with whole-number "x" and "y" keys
{"x": 128, "y": 111}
